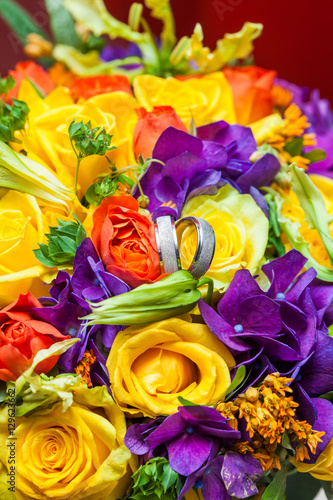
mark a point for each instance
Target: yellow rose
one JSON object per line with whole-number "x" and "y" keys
{"x": 323, "y": 468}
{"x": 206, "y": 100}
{"x": 241, "y": 231}
{"x": 291, "y": 208}
{"x": 151, "y": 366}
{"x": 21, "y": 229}
{"x": 78, "y": 455}
{"x": 46, "y": 137}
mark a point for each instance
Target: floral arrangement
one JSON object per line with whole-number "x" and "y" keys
{"x": 166, "y": 266}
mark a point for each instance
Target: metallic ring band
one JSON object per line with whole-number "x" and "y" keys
{"x": 167, "y": 245}
{"x": 168, "y": 240}
{"x": 205, "y": 244}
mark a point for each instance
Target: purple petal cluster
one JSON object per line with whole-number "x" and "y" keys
{"x": 201, "y": 165}
{"x": 320, "y": 114}
{"x": 68, "y": 303}
{"x": 193, "y": 439}
{"x": 282, "y": 330}
{"x": 189, "y": 437}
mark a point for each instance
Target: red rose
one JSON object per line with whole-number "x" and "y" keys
{"x": 151, "y": 125}
{"x": 35, "y": 73}
{"x": 252, "y": 90}
{"x": 22, "y": 337}
{"x": 125, "y": 241}
{"x": 102, "y": 84}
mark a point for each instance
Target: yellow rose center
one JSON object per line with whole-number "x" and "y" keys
{"x": 162, "y": 371}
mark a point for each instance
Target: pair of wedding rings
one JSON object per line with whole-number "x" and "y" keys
{"x": 169, "y": 239}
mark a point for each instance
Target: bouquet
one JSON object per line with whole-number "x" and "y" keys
{"x": 166, "y": 266}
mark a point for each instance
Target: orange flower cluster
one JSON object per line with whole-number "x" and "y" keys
{"x": 269, "y": 415}
{"x": 83, "y": 367}
{"x": 295, "y": 124}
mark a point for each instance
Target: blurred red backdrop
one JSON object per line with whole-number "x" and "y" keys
{"x": 297, "y": 40}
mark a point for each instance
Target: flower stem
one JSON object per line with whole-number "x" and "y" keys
{"x": 78, "y": 161}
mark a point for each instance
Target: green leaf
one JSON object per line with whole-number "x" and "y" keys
{"x": 94, "y": 16}
{"x": 295, "y": 146}
{"x": 328, "y": 396}
{"x": 313, "y": 204}
{"x": 63, "y": 241}
{"x": 330, "y": 330}
{"x": 174, "y": 295}
{"x": 328, "y": 489}
{"x": 19, "y": 20}
{"x": 237, "y": 380}
{"x": 185, "y": 402}
{"x": 286, "y": 443}
{"x": 315, "y": 155}
{"x": 62, "y": 24}
{"x": 303, "y": 486}
{"x": 6, "y": 84}
{"x": 155, "y": 479}
{"x": 276, "y": 489}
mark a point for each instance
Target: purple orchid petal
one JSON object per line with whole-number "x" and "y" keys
{"x": 282, "y": 271}
{"x": 324, "y": 423}
{"x": 260, "y": 174}
{"x": 223, "y": 331}
{"x": 215, "y": 155}
{"x": 260, "y": 314}
{"x": 169, "y": 429}
{"x": 260, "y": 200}
{"x": 240, "y": 474}
{"x": 306, "y": 409}
{"x": 188, "y": 452}
{"x": 173, "y": 142}
{"x": 317, "y": 373}
{"x": 242, "y": 286}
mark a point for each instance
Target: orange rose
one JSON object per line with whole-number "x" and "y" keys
{"x": 151, "y": 125}
{"x": 35, "y": 73}
{"x": 252, "y": 90}
{"x": 22, "y": 337}
{"x": 102, "y": 84}
{"x": 125, "y": 241}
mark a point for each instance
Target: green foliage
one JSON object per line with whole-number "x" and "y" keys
{"x": 19, "y": 20}
{"x": 312, "y": 202}
{"x": 107, "y": 185}
{"x": 274, "y": 243}
{"x": 63, "y": 241}
{"x": 174, "y": 295}
{"x": 156, "y": 480}
{"x": 295, "y": 146}
{"x": 6, "y": 84}
{"x": 87, "y": 141}
{"x": 277, "y": 488}
{"x": 12, "y": 117}
{"x": 62, "y": 24}
{"x": 302, "y": 486}
{"x": 315, "y": 155}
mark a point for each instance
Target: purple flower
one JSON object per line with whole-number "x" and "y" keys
{"x": 200, "y": 165}
{"x": 189, "y": 436}
{"x": 282, "y": 329}
{"x": 119, "y": 48}
{"x": 68, "y": 303}
{"x": 320, "y": 115}
{"x": 225, "y": 475}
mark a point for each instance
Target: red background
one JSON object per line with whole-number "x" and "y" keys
{"x": 297, "y": 40}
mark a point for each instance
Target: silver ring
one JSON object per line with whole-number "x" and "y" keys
{"x": 205, "y": 244}
{"x": 167, "y": 244}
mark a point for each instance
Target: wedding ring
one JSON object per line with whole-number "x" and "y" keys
{"x": 205, "y": 244}
{"x": 168, "y": 239}
{"x": 167, "y": 245}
